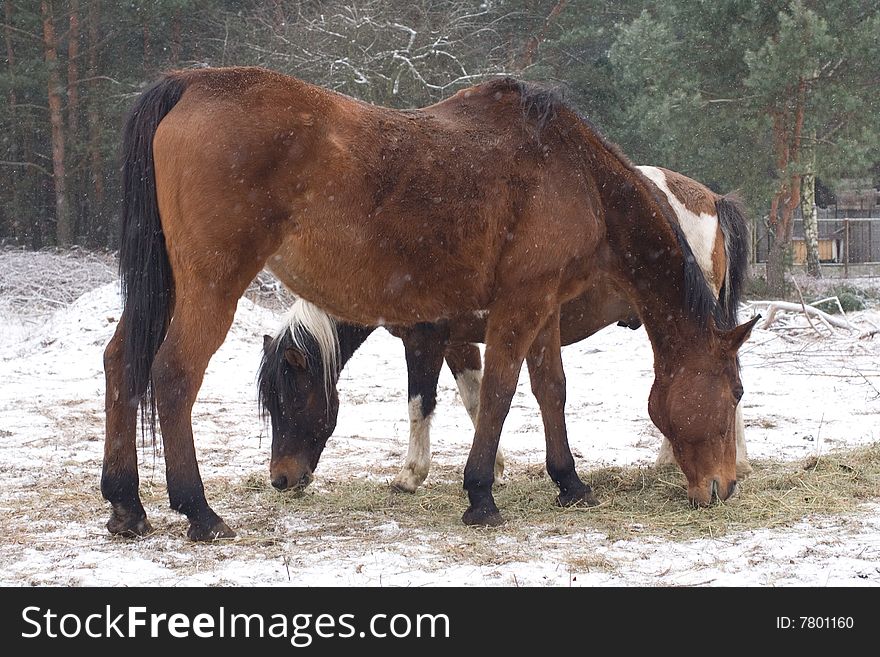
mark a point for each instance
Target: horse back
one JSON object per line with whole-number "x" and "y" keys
{"x": 436, "y": 204}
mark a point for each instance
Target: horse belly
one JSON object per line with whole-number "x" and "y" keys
{"x": 378, "y": 287}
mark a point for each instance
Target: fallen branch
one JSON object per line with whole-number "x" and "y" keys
{"x": 804, "y": 308}
{"x": 774, "y": 307}
{"x": 836, "y": 300}
{"x": 870, "y": 333}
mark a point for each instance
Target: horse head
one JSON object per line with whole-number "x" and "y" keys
{"x": 693, "y": 402}
{"x": 302, "y": 406}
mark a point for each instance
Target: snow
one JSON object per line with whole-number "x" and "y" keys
{"x": 803, "y": 396}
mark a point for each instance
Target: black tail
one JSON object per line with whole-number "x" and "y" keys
{"x": 735, "y": 226}
{"x": 144, "y": 269}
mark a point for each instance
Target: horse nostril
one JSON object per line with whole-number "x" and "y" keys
{"x": 731, "y": 488}
{"x": 280, "y": 482}
{"x": 713, "y": 491}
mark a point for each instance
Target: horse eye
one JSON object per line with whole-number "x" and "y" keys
{"x": 738, "y": 392}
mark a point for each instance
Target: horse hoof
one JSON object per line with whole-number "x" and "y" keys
{"x": 743, "y": 470}
{"x": 484, "y": 516}
{"x": 577, "y": 497}
{"x": 129, "y": 525}
{"x": 405, "y": 483}
{"x": 209, "y": 531}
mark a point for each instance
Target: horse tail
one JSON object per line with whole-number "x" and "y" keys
{"x": 735, "y": 227}
{"x": 144, "y": 269}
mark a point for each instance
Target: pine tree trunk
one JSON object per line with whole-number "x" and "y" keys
{"x": 13, "y": 223}
{"x": 73, "y": 71}
{"x": 148, "y": 48}
{"x": 175, "y": 38}
{"x": 527, "y": 58}
{"x": 74, "y": 179}
{"x": 96, "y": 204}
{"x": 808, "y": 207}
{"x": 63, "y": 232}
{"x": 777, "y": 256}
{"x": 788, "y": 125}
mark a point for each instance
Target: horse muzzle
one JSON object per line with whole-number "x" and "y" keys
{"x": 287, "y": 474}
{"x": 714, "y": 489}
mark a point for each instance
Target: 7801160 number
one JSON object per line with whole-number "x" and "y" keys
{"x": 826, "y": 622}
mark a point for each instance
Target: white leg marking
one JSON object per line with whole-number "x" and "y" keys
{"x": 418, "y": 456}
{"x": 468, "y": 383}
{"x": 743, "y": 468}
{"x": 666, "y": 456}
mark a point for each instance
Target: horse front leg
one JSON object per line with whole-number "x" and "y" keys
{"x": 424, "y": 345}
{"x": 510, "y": 331}
{"x": 743, "y": 467}
{"x": 547, "y": 377}
{"x": 466, "y": 366}
{"x": 119, "y": 474}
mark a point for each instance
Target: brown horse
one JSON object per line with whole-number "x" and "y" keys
{"x": 297, "y": 380}
{"x": 500, "y": 198}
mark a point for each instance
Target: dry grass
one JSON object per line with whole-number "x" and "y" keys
{"x": 635, "y": 501}
{"x": 354, "y": 514}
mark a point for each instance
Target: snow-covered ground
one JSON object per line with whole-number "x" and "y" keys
{"x": 804, "y": 396}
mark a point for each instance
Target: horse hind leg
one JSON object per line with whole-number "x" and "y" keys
{"x": 547, "y": 377}
{"x": 465, "y": 364}
{"x": 119, "y": 474}
{"x": 424, "y": 345}
{"x": 202, "y": 317}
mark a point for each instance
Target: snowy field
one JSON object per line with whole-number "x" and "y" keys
{"x": 805, "y": 395}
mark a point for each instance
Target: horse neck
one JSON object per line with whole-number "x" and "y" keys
{"x": 351, "y": 337}
{"x": 649, "y": 257}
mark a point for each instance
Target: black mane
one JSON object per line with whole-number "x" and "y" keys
{"x": 542, "y": 104}
{"x": 735, "y": 227}
{"x": 698, "y": 298}
{"x": 275, "y": 382}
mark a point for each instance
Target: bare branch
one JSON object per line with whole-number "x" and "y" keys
{"x": 7, "y": 163}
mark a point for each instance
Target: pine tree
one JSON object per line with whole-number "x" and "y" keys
{"x": 730, "y": 93}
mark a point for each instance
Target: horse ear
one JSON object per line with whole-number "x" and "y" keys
{"x": 267, "y": 342}
{"x": 735, "y": 338}
{"x": 296, "y": 358}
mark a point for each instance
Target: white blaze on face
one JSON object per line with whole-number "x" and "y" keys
{"x": 700, "y": 230}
